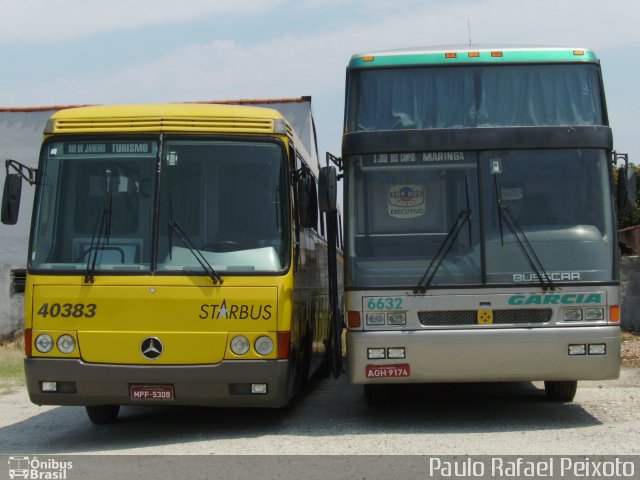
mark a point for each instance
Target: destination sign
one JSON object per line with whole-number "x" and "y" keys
{"x": 108, "y": 148}
{"x": 415, "y": 158}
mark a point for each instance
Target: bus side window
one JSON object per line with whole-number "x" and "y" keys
{"x": 307, "y": 194}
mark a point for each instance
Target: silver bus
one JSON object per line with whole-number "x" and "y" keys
{"x": 480, "y": 222}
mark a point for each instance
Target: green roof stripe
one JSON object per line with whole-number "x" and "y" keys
{"x": 409, "y": 58}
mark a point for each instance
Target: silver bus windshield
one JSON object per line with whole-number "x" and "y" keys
{"x": 403, "y": 206}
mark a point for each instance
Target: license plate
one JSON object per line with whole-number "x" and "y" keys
{"x": 151, "y": 392}
{"x": 388, "y": 371}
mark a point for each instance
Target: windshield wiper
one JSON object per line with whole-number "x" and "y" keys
{"x": 449, "y": 240}
{"x": 102, "y": 229}
{"x": 102, "y": 222}
{"x": 206, "y": 266}
{"x": 506, "y": 215}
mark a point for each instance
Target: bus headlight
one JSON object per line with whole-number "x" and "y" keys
{"x": 66, "y": 343}
{"x": 240, "y": 345}
{"x": 44, "y": 343}
{"x": 264, "y": 345}
{"x": 375, "y": 318}
{"x": 396, "y": 319}
{"x": 572, "y": 314}
{"x": 594, "y": 314}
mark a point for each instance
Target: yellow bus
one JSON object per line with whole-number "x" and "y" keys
{"x": 176, "y": 257}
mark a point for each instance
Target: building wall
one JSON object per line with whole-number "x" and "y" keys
{"x": 11, "y": 305}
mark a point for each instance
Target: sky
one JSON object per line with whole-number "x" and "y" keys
{"x": 60, "y": 52}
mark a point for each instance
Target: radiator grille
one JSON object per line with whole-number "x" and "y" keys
{"x": 165, "y": 123}
{"x": 470, "y": 317}
{"x": 527, "y": 315}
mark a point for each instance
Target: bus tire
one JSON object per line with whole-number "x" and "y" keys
{"x": 376, "y": 395}
{"x": 561, "y": 391}
{"x": 102, "y": 414}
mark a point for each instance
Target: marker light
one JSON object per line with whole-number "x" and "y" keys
{"x": 66, "y": 344}
{"x": 375, "y": 353}
{"x": 577, "y": 349}
{"x": 496, "y": 54}
{"x": 239, "y": 345}
{"x": 450, "y": 55}
{"x": 279, "y": 126}
{"x": 474, "y": 54}
{"x": 44, "y": 343}
{"x": 375, "y": 318}
{"x": 264, "y": 345}
{"x": 28, "y": 344}
{"x": 572, "y": 314}
{"x": 598, "y": 349}
{"x": 578, "y": 52}
{"x": 368, "y": 58}
{"x": 284, "y": 344}
{"x": 353, "y": 319}
{"x": 614, "y": 313}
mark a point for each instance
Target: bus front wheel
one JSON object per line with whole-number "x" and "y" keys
{"x": 561, "y": 391}
{"x": 102, "y": 414}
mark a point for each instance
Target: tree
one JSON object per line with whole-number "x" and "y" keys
{"x": 629, "y": 219}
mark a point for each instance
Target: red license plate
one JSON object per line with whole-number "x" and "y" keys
{"x": 151, "y": 392}
{"x": 388, "y": 371}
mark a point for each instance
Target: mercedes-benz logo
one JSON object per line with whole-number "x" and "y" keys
{"x": 151, "y": 348}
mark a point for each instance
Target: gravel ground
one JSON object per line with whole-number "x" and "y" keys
{"x": 631, "y": 349}
{"x": 331, "y": 418}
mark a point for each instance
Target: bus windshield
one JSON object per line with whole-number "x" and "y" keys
{"x": 229, "y": 199}
{"x": 473, "y": 96}
{"x": 97, "y": 208}
{"x": 401, "y": 209}
{"x": 561, "y": 200}
{"x": 95, "y": 205}
{"x": 403, "y": 206}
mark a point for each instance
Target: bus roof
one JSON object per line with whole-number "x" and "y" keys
{"x": 171, "y": 117}
{"x": 464, "y": 54}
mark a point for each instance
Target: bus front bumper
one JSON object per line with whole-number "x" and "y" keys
{"x": 227, "y": 384}
{"x": 485, "y": 355}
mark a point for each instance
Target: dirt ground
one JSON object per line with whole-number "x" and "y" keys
{"x": 631, "y": 349}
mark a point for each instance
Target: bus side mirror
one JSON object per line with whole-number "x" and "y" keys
{"x": 626, "y": 189}
{"x": 11, "y": 198}
{"x": 328, "y": 189}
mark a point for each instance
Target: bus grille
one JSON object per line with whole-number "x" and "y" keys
{"x": 165, "y": 124}
{"x": 470, "y": 317}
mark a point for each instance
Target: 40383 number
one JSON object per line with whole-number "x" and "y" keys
{"x": 67, "y": 310}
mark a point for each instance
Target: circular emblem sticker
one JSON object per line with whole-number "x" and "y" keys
{"x": 406, "y": 201}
